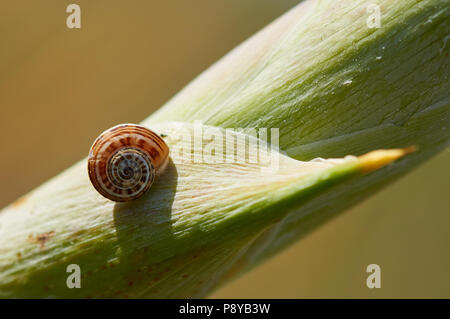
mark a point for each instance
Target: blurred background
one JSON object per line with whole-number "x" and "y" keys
{"x": 60, "y": 87}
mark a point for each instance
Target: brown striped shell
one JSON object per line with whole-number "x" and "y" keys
{"x": 124, "y": 161}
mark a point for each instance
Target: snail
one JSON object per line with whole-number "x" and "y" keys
{"x": 124, "y": 160}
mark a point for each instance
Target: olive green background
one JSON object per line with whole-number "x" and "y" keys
{"x": 59, "y": 88}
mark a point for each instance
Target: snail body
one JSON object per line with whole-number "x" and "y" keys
{"x": 124, "y": 161}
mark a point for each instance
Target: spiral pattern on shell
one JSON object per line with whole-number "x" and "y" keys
{"x": 124, "y": 160}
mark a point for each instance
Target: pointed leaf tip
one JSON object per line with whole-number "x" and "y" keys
{"x": 377, "y": 159}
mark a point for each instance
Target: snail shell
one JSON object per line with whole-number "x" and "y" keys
{"x": 124, "y": 160}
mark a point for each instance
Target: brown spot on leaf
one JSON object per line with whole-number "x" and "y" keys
{"x": 41, "y": 239}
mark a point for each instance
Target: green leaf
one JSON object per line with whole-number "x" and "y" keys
{"x": 201, "y": 216}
